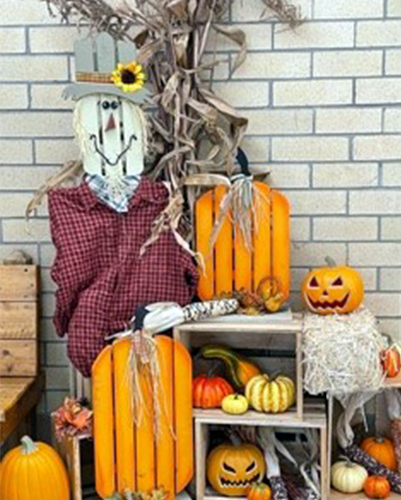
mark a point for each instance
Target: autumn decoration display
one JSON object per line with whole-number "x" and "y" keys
{"x": 333, "y": 289}
{"x": 377, "y": 487}
{"x": 239, "y": 368}
{"x": 232, "y": 468}
{"x": 268, "y": 395}
{"x": 209, "y": 392}
{"x": 382, "y": 449}
{"x": 73, "y": 418}
{"x": 259, "y": 491}
{"x": 348, "y": 477}
{"x": 391, "y": 361}
{"x": 235, "y": 404}
{"x": 35, "y": 466}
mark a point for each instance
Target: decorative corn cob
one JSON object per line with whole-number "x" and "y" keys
{"x": 396, "y": 435}
{"x": 298, "y": 492}
{"x": 375, "y": 468}
{"x": 278, "y": 487}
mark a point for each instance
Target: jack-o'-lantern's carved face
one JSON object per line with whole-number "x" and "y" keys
{"x": 333, "y": 290}
{"x": 232, "y": 469}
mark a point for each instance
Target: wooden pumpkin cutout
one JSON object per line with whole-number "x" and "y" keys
{"x": 129, "y": 453}
{"x": 230, "y": 265}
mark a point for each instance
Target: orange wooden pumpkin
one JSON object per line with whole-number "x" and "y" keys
{"x": 231, "y": 266}
{"x": 33, "y": 471}
{"x": 209, "y": 392}
{"x": 382, "y": 449}
{"x": 129, "y": 454}
{"x": 333, "y": 289}
{"x": 377, "y": 487}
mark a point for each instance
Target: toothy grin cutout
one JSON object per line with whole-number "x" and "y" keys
{"x": 241, "y": 484}
{"x": 328, "y": 305}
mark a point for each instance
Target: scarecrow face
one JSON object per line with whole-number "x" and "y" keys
{"x": 110, "y": 130}
{"x": 232, "y": 469}
{"x": 333, "y": 290}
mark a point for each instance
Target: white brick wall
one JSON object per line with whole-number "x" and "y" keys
{"x": 324, "y": 111}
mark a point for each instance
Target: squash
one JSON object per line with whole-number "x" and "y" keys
{"x": 33, "y": 471}
{"x": 391, "y": 362}
{"x": 348, "y": 477}
{"x": 239, "y": 368}
{"x": 209, "y": 392}
{"x": 129, "y": 454}
{"x": 270, "y": 396}
{"x": 235, "y": 404}
{"x": 232, "y": 469}
{"x": 381, "y": 449}
{"x": 259, "y": 491}
{"x": 334, "y": 289}
{"x": 231, "y": 266}
{"x": 377, "y": 487}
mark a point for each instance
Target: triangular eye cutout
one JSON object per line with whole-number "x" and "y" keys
{"x": 338, "y": 282}
{"x": 228, "y": 468}
{"x": 313, "y": 283}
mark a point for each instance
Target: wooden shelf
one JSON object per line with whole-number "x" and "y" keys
{"x": 313, "y": 418}
{"x": 336, "y": 495}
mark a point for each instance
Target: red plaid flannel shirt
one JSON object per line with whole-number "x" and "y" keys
{"x": 100, "y": 276}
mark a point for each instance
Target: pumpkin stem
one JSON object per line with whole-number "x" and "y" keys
{"x": 28, "y": 446}
{"x": 330, "y": 261}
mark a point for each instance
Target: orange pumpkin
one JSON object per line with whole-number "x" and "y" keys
{"x": 391, "y": 362}
{"x": 259, "y": 491}
{"x": 377, "y": 487}
{"x": 382, "y": 449}
{"x": 232, "y": 267}
{"x": 209, "y": 392}
{"x": 33, "y": 471}
{"x": 335, "y": 289}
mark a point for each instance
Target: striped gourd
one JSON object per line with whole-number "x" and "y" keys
{"x": 270, "y": 396}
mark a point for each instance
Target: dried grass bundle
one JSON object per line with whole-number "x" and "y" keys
{"x": 342, "y": 353}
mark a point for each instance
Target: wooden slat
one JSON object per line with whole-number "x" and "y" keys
{"x": 17, "y": 398}
{"x": 106, "y": 53}
{"x": 18, "y": 358}
{"x": 336, "y": 495}
{"x": 18, "y": 283}
{"x": 242, "y": 263}
{"x": 280, "y": 241}
{"x": 18, "y": 320}
{"x": 204, "y": 226}
{"x": 223, "y": 249}
{"x": 124, "y": 415}
{"x": 262, "y": 264}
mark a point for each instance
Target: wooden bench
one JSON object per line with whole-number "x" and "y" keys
{"x": 21, "y": 384}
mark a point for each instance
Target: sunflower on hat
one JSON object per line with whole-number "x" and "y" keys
{"x": 129, "y": 77}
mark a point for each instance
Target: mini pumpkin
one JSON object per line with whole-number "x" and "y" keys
{"x": 232, "y": 469}
{"x": 377, "y": 487}
{"x": 235, "y": 404}
{"x": 209, "y": 392}
{"x": 382, "y": 449}
{"x": 259, "y": 491}
{"x": 335, "y": 289}
{"x": 270, "y": 396}
{"x": 348, "y": 477}
{"x": 391, "y": 362}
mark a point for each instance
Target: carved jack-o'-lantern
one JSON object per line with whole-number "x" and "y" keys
{"x": 336, "y": 289}
{"x": 232, "y": 469}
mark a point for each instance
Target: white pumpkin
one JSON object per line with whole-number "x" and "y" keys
{"x": 348, "y": 477}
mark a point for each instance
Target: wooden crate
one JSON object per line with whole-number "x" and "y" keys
{"x": 18, "y": 320}
{"x": 257, "y": 334}
{"x": 314, "y": 418}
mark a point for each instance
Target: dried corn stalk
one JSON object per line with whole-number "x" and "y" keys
{"x": 172, "y": 38}
{"x": 393, "y": 398}
{"x": 268, "y": 443}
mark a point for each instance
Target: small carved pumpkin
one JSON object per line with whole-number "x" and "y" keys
{"x": 377, "y": 487}
{"x": 335, "y": 289}
{"x": 231, "y": 469}
{"x": 209, "y": 392}
{"x": 382, "y": 449}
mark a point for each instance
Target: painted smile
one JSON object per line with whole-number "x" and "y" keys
{"x": 325, "y": 304}
{"x": 93, "y": 138}
{"x": 227, "y": 483}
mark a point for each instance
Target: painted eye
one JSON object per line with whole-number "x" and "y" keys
{"x": 338, "y": 282}
{"x": 228, "y": 468}
{"x": 251, "y": 467}
{"x": 105, "y": 104}
{"x": 114, "y": 104}
{"x": 313, "y": 283}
